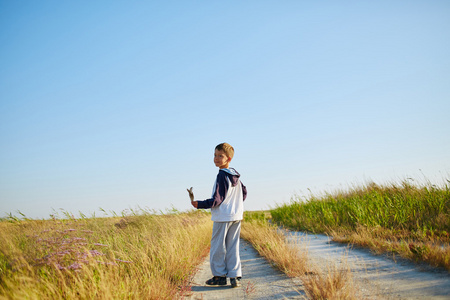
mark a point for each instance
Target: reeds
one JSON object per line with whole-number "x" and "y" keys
{"x": 134, "y": 257}
{"x": 410, "y": 220}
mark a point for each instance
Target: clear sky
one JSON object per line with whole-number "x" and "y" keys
{"x": 119, "y": 104}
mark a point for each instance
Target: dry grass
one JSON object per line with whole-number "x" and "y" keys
{"x": 134, "y": 257}
{"x": 272, "y": 245}
{"x": 332, "y": 283}
{"x": 335, "y": 282}
{"x": 409, "y": 245}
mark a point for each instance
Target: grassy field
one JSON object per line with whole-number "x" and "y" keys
{"x": 153, "y": 256}
{"x": 140, "y": 256}
{"x": 133, "y": 257}
{"x": 402, "y": 219}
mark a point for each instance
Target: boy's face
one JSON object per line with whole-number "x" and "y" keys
{"x": 221, "y": 160}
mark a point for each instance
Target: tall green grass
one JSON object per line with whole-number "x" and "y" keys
{"x": 411, "y": 220}
{"x": 395, "y": 206}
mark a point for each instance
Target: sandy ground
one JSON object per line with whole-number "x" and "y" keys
{"x": 376, "y": 277}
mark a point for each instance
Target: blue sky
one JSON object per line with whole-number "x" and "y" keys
{"x": 119, "y": 104}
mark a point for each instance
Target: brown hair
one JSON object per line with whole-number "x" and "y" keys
{"x": 226, "y": 148}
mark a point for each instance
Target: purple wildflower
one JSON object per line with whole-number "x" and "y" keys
{"x": 75, "y": 266}
{"x": 78, "y": 239}
{"x": 124, "y": 261}
{"x": 95, "y": 252}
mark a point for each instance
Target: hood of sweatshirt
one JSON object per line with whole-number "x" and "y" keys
{"x": 232, "y": 174}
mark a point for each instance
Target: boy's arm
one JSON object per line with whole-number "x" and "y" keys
{"x": 219, "y": 193}
{"x": 244, "y": 191}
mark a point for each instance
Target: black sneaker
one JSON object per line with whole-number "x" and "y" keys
{"x": 217, "y": 280}
{"x": 235, "y": 282}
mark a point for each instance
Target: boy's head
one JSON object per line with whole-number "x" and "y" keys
{"x": 223, "y": 154}
{"x": 227, "y": 149}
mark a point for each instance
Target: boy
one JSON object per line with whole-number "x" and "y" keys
{"x": 227, "y": 211}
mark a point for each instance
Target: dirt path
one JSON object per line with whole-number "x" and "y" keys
{"x": 377, "y": 277}
{"x": 259, "y": 281}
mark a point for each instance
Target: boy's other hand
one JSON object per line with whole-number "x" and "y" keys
{"x": 194, "y": 204}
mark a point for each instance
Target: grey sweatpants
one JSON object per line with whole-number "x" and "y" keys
{"x": 224, "y": 253}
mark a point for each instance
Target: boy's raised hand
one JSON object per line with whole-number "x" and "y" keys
{"x": 191, "y": 194}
